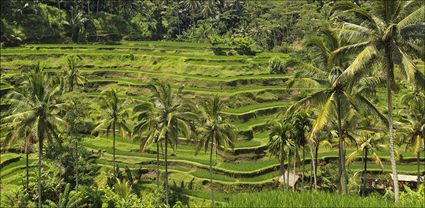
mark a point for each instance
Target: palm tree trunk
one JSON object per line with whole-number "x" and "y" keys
{"x": 26, "y": 166}
{"x": 97, "y": 7}
{"x": 113, "y": 150}
{"x": 344, "y": 172}
{"x": 390, "y": 70}
{"x": 316, "y": 158}
{"x": 282, "y": 163}
{"x": 365, "y": 151}
{"x": 40, "y": 152}
{"x": 303, "y": 166}
{"x": 314, "y": 164}
{"x": 166, "y": 168}
{"x": 418, "y": 155}
{"x": 341, "y": 162}
{"x": 157, "y": 164}
{"x": 211, "y": 177}
{"x": 76, "y": 166}
{"x": 295, "y": 170}
{"x": 289, "y": 169}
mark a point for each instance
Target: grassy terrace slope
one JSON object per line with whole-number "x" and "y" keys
{"x": 253, "y": 95}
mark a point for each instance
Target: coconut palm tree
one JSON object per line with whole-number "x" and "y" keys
{"x": 279, "y": 142}
{"x": 148, "y": 121}
{"x": 215, "y": 131}
{"x": 368, "y": 143}
{"x": 387, "y": 32}
{"x": 335, "y": 98}
{"x": 75, "y": 23}
{"x": 114, "y": 113}
{"x": 193, "y": 6}
{"x": 414, "y": 116}
{"x": 300, "y": 126}
{"x": 175, "y": 114}
{"x": 72, "y": 74}
{"x": 34, "y": 107}
{"x": 209, "y": 8}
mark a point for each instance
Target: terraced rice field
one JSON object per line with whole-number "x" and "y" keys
{"x": 253, "y": 95}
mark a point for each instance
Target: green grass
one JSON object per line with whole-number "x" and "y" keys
{"x": 309, "y": 199}
{"x": 254, "y": 122}
{"x": 8, "y": 156}
{"x": 255, "y": 107}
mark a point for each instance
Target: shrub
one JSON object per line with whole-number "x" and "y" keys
{"x": 276, "y": 66}
{"x": 244, "y": 45}
{"x": 106, "y": 23}
{"x": 9, "y": 35}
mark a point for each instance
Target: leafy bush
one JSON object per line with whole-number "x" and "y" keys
{"x": 276, "y": 66}
{"x": 42, "y": 23}
{"x": 9, "y": 35}
{"x": 106, "y": 23}
{"x": 201, "y": 33}
{"x": 408, "y": 195}
{"x": 244, "y": 45}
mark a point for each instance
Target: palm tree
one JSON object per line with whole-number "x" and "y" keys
{"x": 193, "y": 7}
{"x": 75, "y": 23}
{"x": 34, "y": 106}
{"x": 386, "y": 32}
{"x": 300, "y": 126}
{"x": 72, "y": 74}
{"x": 175, "y": 114}
{"x": 335, "y": 98}
{"x": 114, "y": 118}
{"x": 368, "y": 143}
{"x": 414, "y": 115}
{"x": 215, "y": 131}
{"x": 279, "y": 142}
{"x": 209, "y": 8}
{"x": 148, "y": 121}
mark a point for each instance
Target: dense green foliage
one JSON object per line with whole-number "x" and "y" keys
{"x": 269, "y": 24}
{"x": 266, "y": 87}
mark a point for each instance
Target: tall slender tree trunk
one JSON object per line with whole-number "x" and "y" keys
{"x": 26, "y": 166}
{"x": 282, "y": 163}
{"x": 365, "y": 152}
{"x": 97, "y": 7}
{"x": 424, "y": 161}
{"x": 157, "y": 163}
{"x": 166, "y": 167}
{"x": 390, "y": 70}
{"x": 40, "y": 152}
{"x": 303, "y": 166}
{"x": 314, "y": 164}
{"x": 316, "y": 158}
{"x": 289, "y": 169}
{"x": 344, "y": 172}
{"x": 418, "y": 155}
{"x": 295, "y": 170}
{"x": 341, "y": 162}
{"x": 76, "y": 166}
{"x": 113, "y": 150}
{"x": 211, "y": 176}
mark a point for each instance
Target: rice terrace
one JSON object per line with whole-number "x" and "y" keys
{"x": 212, "y": 103}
